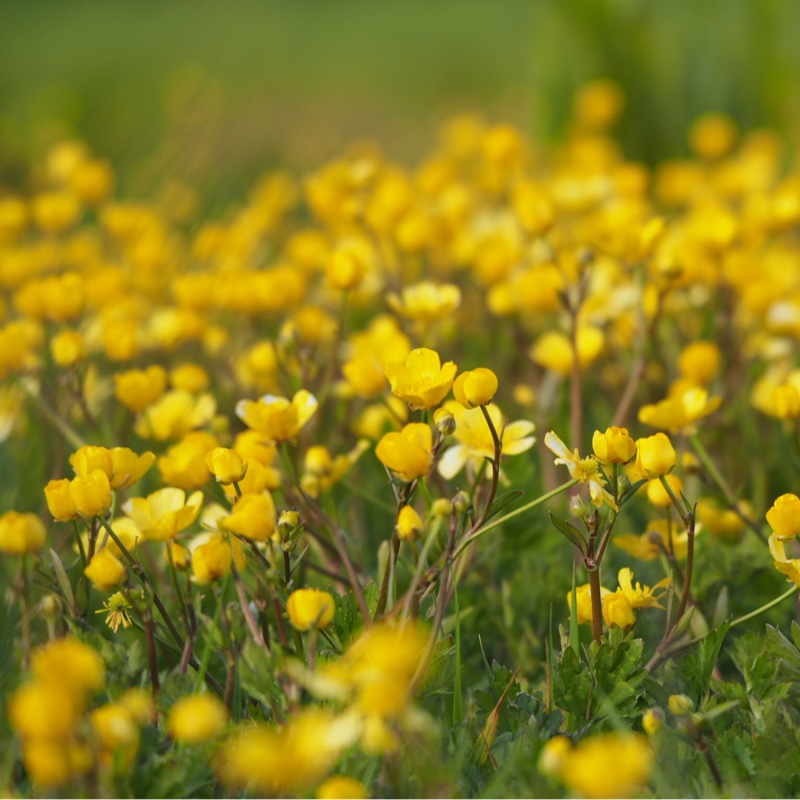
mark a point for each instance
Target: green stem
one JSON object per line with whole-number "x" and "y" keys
{"x": 765, "y": 607}
{"x": 511, "y": 514}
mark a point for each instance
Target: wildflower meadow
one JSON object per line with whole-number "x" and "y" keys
{"x": 470, "y": 476}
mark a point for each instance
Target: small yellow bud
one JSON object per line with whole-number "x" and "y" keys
{"x": 475, "y": 388}
{"x": 784, "y": 517}
{"x": 444, "y": 420}
{"x": 652, "y": 720}
{"x": 409, "y": 524}
{"x": 441, "y": 507}
{"x": 680, "y": 705}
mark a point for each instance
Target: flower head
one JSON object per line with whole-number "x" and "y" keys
{"x": 619, "y": 606}
{"x": 278, "y": 418}
{"x": 407, "y": 452}
{"x": 586, "y": 470}
{"x": 422, "y": 380}
{"x": 784, "y": 517}
{"x": 679, "y": 413}
{"x": 475, "y": 388}
{"x": 310, "y": 608}
{"x": 116, "y": 607}
{"x": 426, "y": 301}
{"x": 164, "y": 513}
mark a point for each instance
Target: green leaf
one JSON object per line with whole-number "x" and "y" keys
{"x": 570, "y": 532}
{"x": 696, "y": 667}
{"x": 503, "y": 501}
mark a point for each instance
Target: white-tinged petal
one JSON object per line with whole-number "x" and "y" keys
{"x": 452, "y": 461}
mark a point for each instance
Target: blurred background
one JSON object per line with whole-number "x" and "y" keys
{"x": 215, "y": 92}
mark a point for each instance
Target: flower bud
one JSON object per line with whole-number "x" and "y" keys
{"x": 409, "y": 524}
{"x": 475, "y": 388}
{"x": 288, "y": 521}
{"x": 652, "y": 720}
{"x": 50, "y": 607}
{"x": 445, "y": 421}
{"x": 59, "y": 500}
{"x": 680, "y": 705}
{"x": 784, "y": 517}
{"x": 310, "y": 608}
{"x": 92, "y": 493}
{"x": 615, "y": 446}
{"x": 460, "y": 502}
{"x": 441, "y": 507}
{"x": 226, "y": 465}
{"x": 578, "y": 508}
{"x": 655, "y": 456}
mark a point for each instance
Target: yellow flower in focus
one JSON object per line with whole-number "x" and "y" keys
{"x": 619, "y": 606}
{"x": 21, "y": 533}
{"x": 91, "y": 494}
{"x": 553, "y": 350}
{"x": 679, "y": 413}
{"x": 89, "y": 458}
{"x": 790, "y": 567}
{"x": 409, "y": 524}
{"x": 59, "y": 500}
{"x": 105, "y": 570}
{"x": 618, "y": 610}
{"x": 584, "y": 601}
{"x": 127, "y": 467}
{"x": 615, "y": 446}
{"x": 227, "y": 466}
{"x": 586, "y": 470}
{"x": 655, "y": 456}
{"x": 116, "y": 608}
{"x": 164, "y": 513}
{"x": 475, "y": 442}
{"x": 197, "y": 718}
{"x": 277, "y": 418}
{"x": 426, "y": 301}
{"x": 341, "y": 787}
{"x": 407, "y": 452}
{"x": 657, "y": 494}
{"x": 421, "y": 381}
{"x": 784, "y": 517}
{"x": 139, "y": 388}
{"x": 310, "y": 608}
{"x": 174, "y": 414}
{"x": 253, "y": 516}
{"x": 475, "y": 388}
{"x": 67, "y": 348}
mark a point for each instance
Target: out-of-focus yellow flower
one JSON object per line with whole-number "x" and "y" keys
{"x": 43, "y": 710}
{"x": 409, "y": 524}
{"x": 407, "y": 452}
{"x": 699, "y": 362}
{"x": 21, "y": 533}
{"x": 722, "y": 523}
{"x": 197, "y": 718}
{"x": 426, "y": 301}
{"x": 475, "y": 442}
{"x": 128, "y": 467}
{"x": 598, "y": 104}
{"x": 605, "y": 765}
{"x": 310, "y": 608}
{"x": 253, "y": 517}
{"x": 139, "y": 388}
{"x": 712, "y": 135}
{"x": 70, "y": 665}
{"x": 322, "y": 471}
{"x": 586, "y": 470}
{"x": 349, "y": 263}
{"x": 475, "y": 388}
{"x": 53, "y": 763}
{"x": 227, "y": 466}
{"x": 652, "y": 720}
{"x": 790, "y": 567}
{"x": 68, "y": 348}
{"x": 89, "y": 458}
{"x": 619, "y": 606}
{"x": 658, "y": 495}
{"x": 784, "y": 517}
{"x": 105, "y": 570}
{"x": 181, "y": 557}
{"x": 553, "y": 350}
{"x": 277, "y": 418}
{"x": 784, "y": 402}
{"x": 59, "y": 500}
{"x": 211, "y": 560}
{"x": 117, "y": 734}
{"x": 679, "y": 413}
{"x": 615, "y": 446}
{"x": 55, "y": 211}
{"x": 421, "y": 381}
{"x": 91, "y": 493}
{"x": 164, "y": 513}
{"x": 116, "y": 608}
{"x": 341, "y": 787}
{"x": 189, "y": 377}
{"x": 533, "y": 206}
{"x": 583, "y": 596}
{"x": 183, "y": 465}
{"x": 174, "y": 414}
{"x": 655, "y": 456}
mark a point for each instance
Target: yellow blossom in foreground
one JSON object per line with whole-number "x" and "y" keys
{"x": 474, "y": 438}
{"x": 615, "y": 446}
{"x": 407, "y": 452}
{"x": 117, "y": 733}
{"x": 583, "y": 597}
{"x": 422, "y": 380}
{"x": 341, "y": 787}
{"x": 784, "y": 517}
{"x": 227, "y": 466}
{"x": 619, "y": 606}
{"x": 184, "y": 465}
{"x": 679, "y": 413}
{"x": 105, "y": 570}
{"x": 586, "y": 470}
{"x": 44, "y": 710}
{"x": 127, "y": 467}
{"x": 475, "y": 388}
{"x": 89, "y": 458}
{"x": 53, "y": 763}
{"x": 310, "y": 608}
{"x": 197, "y": 718}
{"x": 277, "y": 418}
{"x": 253, "y": 516}
{"x": 655, "y": 456}
{"x": 68, "y": 348}
{"x": 91, "y": 493}
{"x": 211, "y": 560}
{"x": 164, "y": 513}
{"x": 21, "y": 533}
{"x": 426, "y": 301}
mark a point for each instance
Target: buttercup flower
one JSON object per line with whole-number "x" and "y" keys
{"x": 253, "y": 516}
{"x": 91, "y": 493}
{"x": 679, "y": 413}
{"x": 197, "y": 718}
{"x": 426, "y": 301}
{"x": 784, "y": 517}
{"x": 422, "y": 380}
{"x": 227, "y": 466}
{"x": 586, "y": 470}
{"x": 310, "y": 608}
{"x": 615, "y": 446}
{"x": 475, "y": 388}
{"x": 408, "y": 525}
{"x": 277, "y": 418}
{"x": 164, "y": 513}
{"x": 21, "y": 533}
{"x": 655, "y": 456}
{"x": 407, "y": 452}
{"x": 619, "y": 606}
{"x": 105, "y": 570}
{"x": 583, "y": 596}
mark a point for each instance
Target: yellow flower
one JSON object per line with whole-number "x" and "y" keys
{"x": 421, "y": 381}
{"x": 586, "y": 470}
{"x": 164, "y": 513}
{"x": 349, "y": 263}
{"x": 341, "y": 787}
{"x": 277, "y": 418}
{"x": 680, "y": 705}
{"x": 655, "y": 456}
{"x": 790, "y": 567}
{"x": 426, "y": 301}
{"x": 189, "y": 378}
{"x": 89, "y": 458}
{"x": 407, "y": 452}
{"x": 699, "y": 362}
{"x": 409, "y": 524}
{"x": 652, "y": 720}
{"x": 227, "y": 466}
{"x": 116, "y": 607}
{"x": 475, "y": 442}
{"x": 784, "y": 517}
{"x": 253, "y": 517}
{"x": 52, "y": 763}
{"x": 174, "y": 414}
{"x": 21, "y": 533}
{"x": 657, "y": 494}
{"x": 127, "y": 467}
{"x": 584, "y": 601}
{"x": 310, "y": 608}
{"x": 679, "y": 413}
{"x": 553, "y": 350}
{"x": 197, "y": 718}
{"x": 184, "y": 464}
{"x": 139, "y": 388}
{"x": 105, "y": 570}
{"x": 117, "y": 734}
{"x": 475, "y": 388}
{"x": 91, "y": 494}
{"x": 44, "y": 710}
{"x": 67, "y": 348}
{"x": 615, "y": 446}
{"x": 211, "y": 560}
{"x": 619, "y": 606}
{"x": 723, "y": 523}
{"x": 69, "y": 664}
